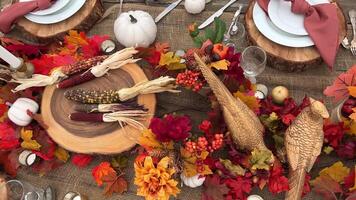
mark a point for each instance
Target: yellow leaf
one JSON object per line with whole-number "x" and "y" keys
{"x": 328, "y": 149}
{"x": 148, "y": 140}
{"x": 351, "y": 125}
{"x": 261, "y": 159}
{"x": 273, "y": 117}
{"x": 27, "y": 142}
{"x": 352, "y": 90}
{"x": 250, "y": 101}
{"x": 61, "y": 154}
{"x": 220, "y": 65}
{"x": 171, "y": 61}
{"x": 75, "y": 38}
{"x": 337, "y": 171}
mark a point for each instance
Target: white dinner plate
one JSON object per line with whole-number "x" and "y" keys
{"x": 273, "y": 33}
{"x": 70, "y": 9}
{"x": 56, "y": 6}
{"x": 282, "y": 16}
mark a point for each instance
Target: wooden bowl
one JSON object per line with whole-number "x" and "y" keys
{"x": 88, "y": 137}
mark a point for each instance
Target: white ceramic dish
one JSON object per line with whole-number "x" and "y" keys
{"x": 70, "y": 9}
{"x": 282, "y": 16}
{"x": 269, "y": 30}
{"x": 56, "y": 6}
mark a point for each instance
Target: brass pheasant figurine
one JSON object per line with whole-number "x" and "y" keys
{"x": 243, "y": 124}
{"x": 303, "y": 142}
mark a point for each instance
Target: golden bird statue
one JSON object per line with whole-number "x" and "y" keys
{"x": 244, "y": 126}
{"x": 303, "y": 142}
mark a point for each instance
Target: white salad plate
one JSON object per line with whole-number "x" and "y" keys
{"x": 273, "y": 33}
{"x": 56, "y": 6}
{"x": 282, "y": 16}
{"x": 70, "y": 9}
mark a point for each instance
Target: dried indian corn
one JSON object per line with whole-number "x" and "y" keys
{"x": 82, "y": 65}
{"x": 93, "y": 96}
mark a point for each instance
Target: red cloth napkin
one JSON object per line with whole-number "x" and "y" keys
{"x": 10, "y": 14}
{"x": 322, "y": 24}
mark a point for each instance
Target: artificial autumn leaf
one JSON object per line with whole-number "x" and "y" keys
{"x": 250, "y": 100}
{"x": 9, "y": 161}
{"x": 337, "y": 171}
{"x": 61, "y": 154}
{"x": 148, "y": 140}
{"x": 114, "y": 184}
{"x": 25, "y": 49}
{"x": 8, "y": 138}
{"x": 214, "y": 189}
{"x": 220, "y": 65}
{"x": 75, "y": 38}
{"x": 45, "y": 166}
{"x": 326, "y": 186}
{"x": 119, "y": 161}
{"x": 353, "y": 115}
{"x": 171, "y": 61}
{"x": 237, "y": 170}
{"x": 48, "y": 146}
{"x": 28, "y": 142}
{"x": 81, "y": 160}
{"x": 350, "y": 181}
{"x": 103, "y": 169}
{"x": 339, "y": 89}
{"x": 240, "y": 187}
{"x": 260, "y": 159}
{"x": 351, "y": 125}
{"x": 189, "y": 163}
{"x": 162, "y": 47}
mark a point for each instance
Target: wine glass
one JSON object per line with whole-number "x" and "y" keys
{"x": 236, "y": 37}
{"x": 253, "y": 62}
{"x": 17, "y": 190}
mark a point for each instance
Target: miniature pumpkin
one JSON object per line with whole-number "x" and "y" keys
{"x": 135, "y": 29}
{"x": 194, "y": 181}
{"x": 220, "y": 50}
{"x": 194, "y": 6}
{"x": 18, "y": 111}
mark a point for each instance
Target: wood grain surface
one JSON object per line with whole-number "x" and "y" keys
{"x": 84, "y": 19}
{"x": 283, "y": 57}
{"x": 86, "y": 137}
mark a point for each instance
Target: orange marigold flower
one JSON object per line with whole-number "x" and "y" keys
{"x": 155, "y": 182}
{"x": 103, "y": 169}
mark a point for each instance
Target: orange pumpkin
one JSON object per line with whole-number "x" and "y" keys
{"x": 221, "y": 50}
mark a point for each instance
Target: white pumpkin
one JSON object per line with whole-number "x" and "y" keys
{"x": 18, "y": 111}
{"x": 193, "y": 182}
{"x": 194, "y": 6}
{"x": 135, "y": 29}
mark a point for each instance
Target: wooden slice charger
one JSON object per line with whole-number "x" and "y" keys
{"x": 82, "y": 20}
{"x": 88, "y": 137}
{"x": 283, "y": 57}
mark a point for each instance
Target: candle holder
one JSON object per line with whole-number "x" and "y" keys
{"x": 27, "y": 158}
{"x": 74, "y": 196}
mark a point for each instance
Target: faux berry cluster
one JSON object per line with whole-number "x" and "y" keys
{"x": 189, "y": 79}
{"x": 202, "y": 144}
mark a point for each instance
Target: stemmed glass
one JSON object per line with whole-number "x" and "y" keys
{"x": 17, "y": 190}
{"x": 253, "y": 62}
{"x": 236, "y": 37}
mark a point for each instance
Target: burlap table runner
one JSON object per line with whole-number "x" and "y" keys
{"x": 173, "y": 29}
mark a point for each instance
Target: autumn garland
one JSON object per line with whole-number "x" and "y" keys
{"x": 169, "y": 147}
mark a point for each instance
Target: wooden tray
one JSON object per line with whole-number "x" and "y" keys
{"x": 83, "y": 20}
{"x": 85, "y": 137}
{"x": 283, "y": 57}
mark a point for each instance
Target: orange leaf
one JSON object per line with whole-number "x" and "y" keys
{"x": 220, "y": 65}
{"x": 75, "y": 38}
{"x": 114, "y": 184}
{"x": 102, "y": 170}
{"x": 251, "y": 101}
{"x": 162, "y": 47}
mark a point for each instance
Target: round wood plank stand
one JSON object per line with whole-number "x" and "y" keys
{"x": 88, "y": 137}
{"x": 83, "y": 20}
{"x": 287, "y": 58}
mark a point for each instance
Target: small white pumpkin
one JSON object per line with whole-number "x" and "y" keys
{"x": 194, "y": 6}
{"x": 18, "y": 111}
{"x": 193, "y": 182}
{"x": 135, "y": 29}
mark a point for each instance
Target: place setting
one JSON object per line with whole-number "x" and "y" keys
{"x": 125, "y": 110}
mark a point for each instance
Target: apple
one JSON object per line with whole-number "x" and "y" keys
{"x": 279, "y": 94}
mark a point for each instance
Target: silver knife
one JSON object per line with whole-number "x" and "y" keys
{"x": 216, "y": 14}
{"x": 167, "y": 10}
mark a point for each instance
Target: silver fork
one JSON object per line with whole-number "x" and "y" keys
{"x": 352, "y": 14}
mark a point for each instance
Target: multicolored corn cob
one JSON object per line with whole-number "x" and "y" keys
{"x": 82, "y": 65}
{"x": 93, "y": 96}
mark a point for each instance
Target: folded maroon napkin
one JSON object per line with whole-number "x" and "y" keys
{"x": 10, "y": 14}
{"x": 322, "y": 24}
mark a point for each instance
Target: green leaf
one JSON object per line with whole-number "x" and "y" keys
{"x": 261, "y": 159}
{"x": 210, "y": 34}
{"x": 119, "y": 161}
{"x": 198, "y": 41}
{"x": 237, "y": 170}
{"x": 220, "y": 29}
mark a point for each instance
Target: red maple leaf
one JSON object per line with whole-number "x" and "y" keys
{"x": 214, "y": 189}
{"x": 240, "y": 187}
{"x": 277, "y": 183}
{"x": 81, "y": 160}
{"x": 114, "y": 184}
{"x": 8, "y": 138}
{"x": 9, "y": 161}
{"x": 48, "y": 146}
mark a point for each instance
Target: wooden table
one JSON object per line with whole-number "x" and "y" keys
{"x": 171, "y": 29}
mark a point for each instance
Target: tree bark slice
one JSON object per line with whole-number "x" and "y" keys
{"x": 83, "y": 20}
{"x": 94, "y": 137}
{"x": 288, "y": 58}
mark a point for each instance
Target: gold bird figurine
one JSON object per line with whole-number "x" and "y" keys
{"x": 243, "y": 124}
{"x": 303, "y": 142}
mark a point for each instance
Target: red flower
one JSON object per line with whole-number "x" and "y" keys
{"x": 277, "y": 183}
{"x": 306, "y": 187}
{"x": 171, "y": 127}
{"x": 205, "y": 126}
{"x": 81, "y": 160}
{"x": 347, "y": 150}
{"x": 333, "y": 133}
